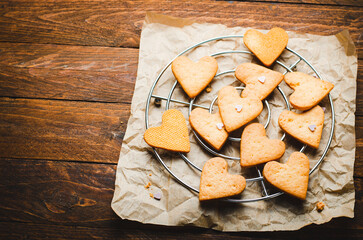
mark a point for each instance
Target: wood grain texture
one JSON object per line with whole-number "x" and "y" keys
{"x": 356, "y": 3}
{"x": 136, "y": 231}
{"x": 62, "y": 130}
{"x": 78, "y": 131}
{"x": 101, "y": 74}
{"x": 58, "y": 158}
{"x": 73, "y": 193}
{"x": 67, "y": 72}
{"x": 118, "y": 24}
{"x": 56, "y": 192}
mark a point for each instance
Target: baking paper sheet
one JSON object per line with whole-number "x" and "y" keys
{"x": 162, "y": 38}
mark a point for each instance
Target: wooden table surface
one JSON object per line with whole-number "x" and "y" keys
{"x": 67, "y": 74}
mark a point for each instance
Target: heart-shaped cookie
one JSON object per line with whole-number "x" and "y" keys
{"x": 306, "y": 127}
{"x": 194, "y": 76}
{"x": 236, "y": 111}
{"x": 266, "y": 47}
{"x": 171, "y": 135}
{"x": 259, "y": 81}
{"x": 309, "y": 91}
{"x": 209, "y": 126}
{"x": 216, "y": 182}
{"x": 291, "y": 177}
{"x": 256, "y": 148}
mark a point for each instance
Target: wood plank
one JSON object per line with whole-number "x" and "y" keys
{"x": 62, "y": 130}
{"x": 356, "y": 3}
{"x": 67, "y": 72}
{"x": 115, "y": 23}
{"x": 78, "y": 131}
{"x": 79, "y": 194}
{"x": 57, "y": 192}
{"x": 135, "y": 231}
{"x": 79, "y": 73}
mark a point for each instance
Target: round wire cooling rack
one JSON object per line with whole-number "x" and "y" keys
{"x": 191, "y": 104}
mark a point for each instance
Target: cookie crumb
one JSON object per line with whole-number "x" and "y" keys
{"x": 147, "y": 185}
{"x": 320, "y": 206}
{"x": 208, "y": 89}
{"x": 151, "y": 195}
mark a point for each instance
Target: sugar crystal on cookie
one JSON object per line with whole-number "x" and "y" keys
{"x": 238, "y": 108}
{"x": 220, "y": 126}
{"x": 312, "y": 127}
{"x": 261, "y": 79}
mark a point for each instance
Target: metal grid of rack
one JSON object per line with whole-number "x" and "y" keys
{"x": 191, "y": 104}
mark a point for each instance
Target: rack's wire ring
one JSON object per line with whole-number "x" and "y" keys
{"x": 191, "y": 104}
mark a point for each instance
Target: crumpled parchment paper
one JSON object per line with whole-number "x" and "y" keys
{"x": 162, "y": 38}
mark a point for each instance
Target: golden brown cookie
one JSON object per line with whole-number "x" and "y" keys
{"x": 266, "y": 47}
{"x": 171, "y": 135}
{"x": 256, "y": 148}
{"x": 306, "y": 127}
{"x": 259, "y": 81}
{"x": 209, "y": 126}
{"x": 194, "y": 76}
{"x": 309, "y": 91}
{"x": 216, "y": 182}
{"x": 236, "y": 111}
{"x": 291, "y": 177}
